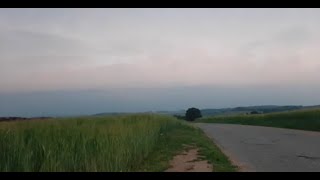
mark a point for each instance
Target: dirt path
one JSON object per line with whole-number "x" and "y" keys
{"x": 189, "y": 161}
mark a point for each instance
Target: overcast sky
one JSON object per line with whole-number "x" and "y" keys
{"x": 82, "y": 61}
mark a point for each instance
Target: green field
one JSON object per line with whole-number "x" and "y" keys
{"x": 139, "y": 142}
{"x": 299, "y": 119}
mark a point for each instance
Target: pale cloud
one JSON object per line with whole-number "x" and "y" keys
{"x": 77, "y": 49}
{"x": 71, "y": 61}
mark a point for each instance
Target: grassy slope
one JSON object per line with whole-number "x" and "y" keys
{"x": 122, "y": 143}
{"x": 300, "y": 119}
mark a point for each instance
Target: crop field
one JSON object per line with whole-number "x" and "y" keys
{"x": 141, "y": 142}
{"x": 298, "y": 119}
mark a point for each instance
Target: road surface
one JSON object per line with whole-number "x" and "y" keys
{"x": 267, "y": 149}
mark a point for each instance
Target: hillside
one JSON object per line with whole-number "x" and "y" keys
{"x": 304, "y": 119}
{"x": 241, "y": 110}
{"x": 226, "y": 111}
{"x": 244, "y": 110}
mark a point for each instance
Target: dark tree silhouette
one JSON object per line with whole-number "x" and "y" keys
{"x": 254, "y": 112}
{"x": 192, "y": 114}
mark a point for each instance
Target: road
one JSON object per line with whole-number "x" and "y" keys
{"x": 267, "y": 149}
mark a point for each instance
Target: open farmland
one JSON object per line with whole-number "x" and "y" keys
{"x": 141, "y": 142}
{"x": 300, "y": 119}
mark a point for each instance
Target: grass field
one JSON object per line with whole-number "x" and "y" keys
{"x": 299, "y": 119}
{"x": 123, "y": 143}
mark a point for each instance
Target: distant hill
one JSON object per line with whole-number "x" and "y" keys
{"x": 21, "y": 118}
{"x": 153, "y": 112}
{"x": 111, "y": 114}
{"x": 228, "y": 111}
{"x": 311, "y": 107}
{"x": 244, "y": 110}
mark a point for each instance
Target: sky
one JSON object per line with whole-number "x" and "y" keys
{"x": 56, "y": 62}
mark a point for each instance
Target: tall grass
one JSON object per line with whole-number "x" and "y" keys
{"x": 299, "y": 119}
{"x": 81, "y": 144}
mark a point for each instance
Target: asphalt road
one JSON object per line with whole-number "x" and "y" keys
{"x": 267, "y": 149}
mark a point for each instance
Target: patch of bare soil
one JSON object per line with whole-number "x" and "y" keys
{"x": 188, "y": 161}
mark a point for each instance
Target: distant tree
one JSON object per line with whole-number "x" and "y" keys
{"x": 254, "y": 112}
{"x": 192, "y": 114}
